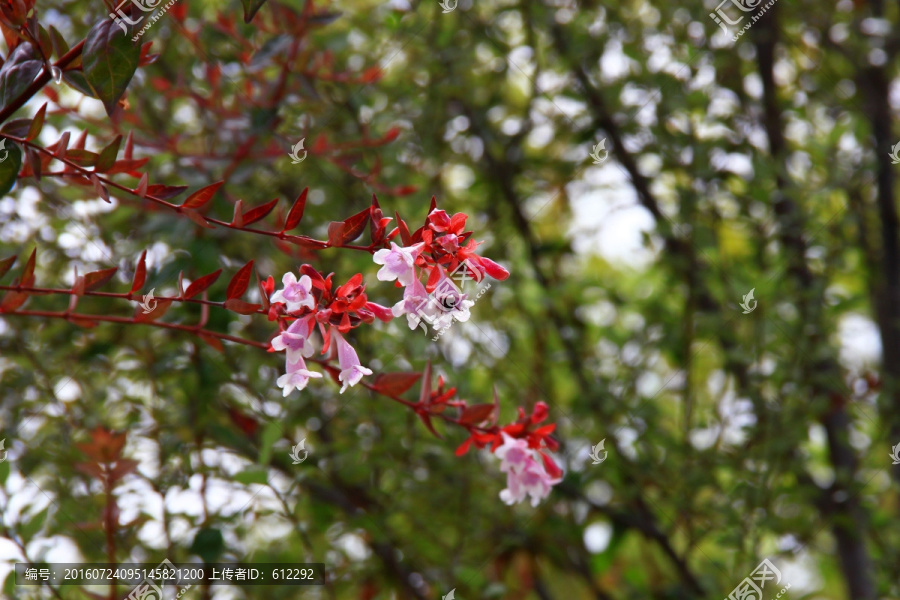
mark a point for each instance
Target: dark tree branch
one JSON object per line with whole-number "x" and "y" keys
{"x": 848, "y": 522}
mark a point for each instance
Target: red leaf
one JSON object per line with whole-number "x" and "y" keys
{"x": 37, "y": 123}
{"x": 197, "y": 218}
{"x": 246, "y": 424}
{"x": 12, "y": 301}
{"x": 425, "y": 393}
{"x": 212, "y": 341}
{"x": 238, "y": 219}
{"x": 476, "y": 414}
{"x": 493, "y": 269}
{"x": 238, "y": 284}
{"x": 355, "y": 225}
{"x": 305, "y": 242}
{"x": 165, "y": 192}
{"x": 129, "y": 145}
{"x": 239, "y": 306}
{"x": 263, "y": 294}
{"x": 255, "y": 214}
{"x": 128, "y": 165}
{"x": 395, "y": 384}
{"x": 202, "y": 196}
{"x": 6, "y": 264}
{"x": 404, "y": 230}
{"x": 336, "y": 233}
{"x": 159, "y": 310}
{"x": 96, "y": 279}
{"x": 433, "y": 278}
{"x": 551, "y": 467}
{"x": 296, "y": 213}
{"x": 140, "y": 273}
{"x": 28, "y": 273}
{"x": 426, "y": 418}
{"x": 391, "y": 135}
{"x": 464, "y": 447}
{"x": 98, "y": 186}
{"x": 141, "y": 190}
{"x": 201, "y": 284}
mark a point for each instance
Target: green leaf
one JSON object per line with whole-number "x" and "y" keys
{"x": 252, "y": 475}
{"x": 4, "y": 472}
{"x": 30, "y": 529}
{"x": 110, "y": 59}
{"x": 77, "y": 81}
{"x": 271, "y": 433}
{"x": 208, "y": 544}
{"x": 11, "y": 164}
{"x": 108, "y": 155}
{"x": 18, "y": 72}
{"x": 250, "y": 8}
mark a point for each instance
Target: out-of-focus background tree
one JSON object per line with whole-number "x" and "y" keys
{"x": 762, "y": 163}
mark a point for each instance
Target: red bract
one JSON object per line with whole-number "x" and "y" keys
{"x": 523, "y": 428}
{"x": 446, "y": 246}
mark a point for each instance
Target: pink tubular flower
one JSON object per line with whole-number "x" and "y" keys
{"x": 415, "y": 302}
{"x": 398, "y": 263}
{"x": 296, "y": 294}
{"x": 297, "y": 376}
{"x": 295, "y": 339}
{"x": 351, "y": 369}
{"x": 532, "y": 480}
{"x": 525, "y": 476}
{"x": 513, "y": 454}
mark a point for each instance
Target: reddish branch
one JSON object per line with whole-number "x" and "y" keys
{"x": 83, "y": 317}
{"x": 40, "y": 82}
{"x": 130, "y": 296}
{"x": 281, "y": 235}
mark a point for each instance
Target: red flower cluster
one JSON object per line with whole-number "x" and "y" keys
{"x": 445, "y": 246}
{"x": 526, "y": 428}
{"x": 345, "y": 308}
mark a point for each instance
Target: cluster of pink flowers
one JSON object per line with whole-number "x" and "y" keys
{"x": 437, "y": 248}
{"x": 521, "y": 448}
{"x": 310, "y": 301}
{"x": 525, "y": 476}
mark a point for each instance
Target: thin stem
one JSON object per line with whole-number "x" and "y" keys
{"x": 188, "y": 328}
{"x": 281, "y": 235}
{"x": 40, "y": 82}
{"x": 128, "y": 296}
